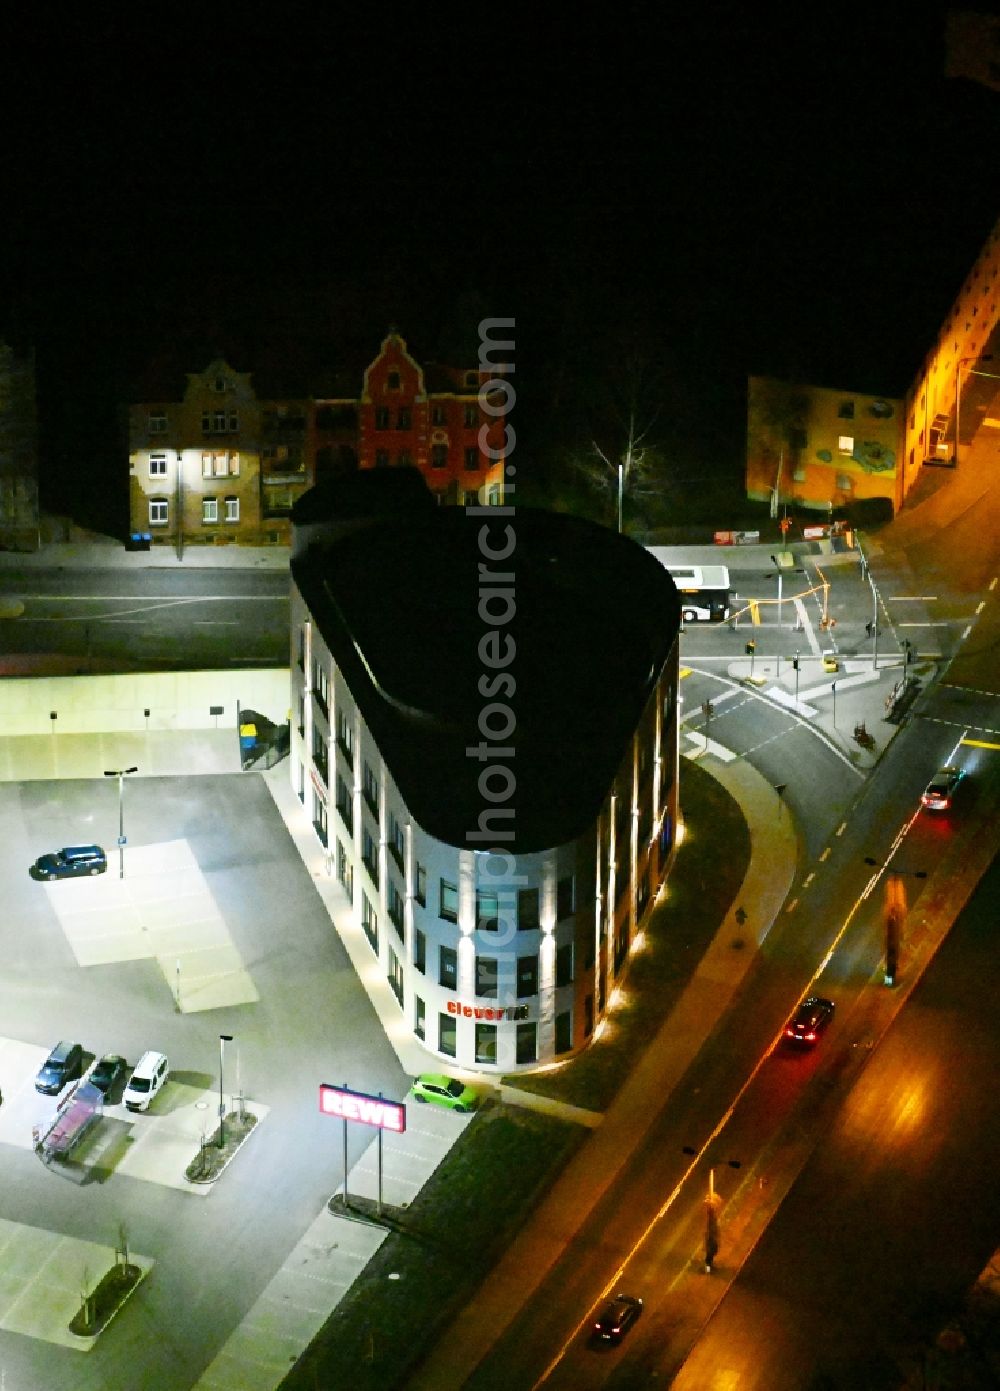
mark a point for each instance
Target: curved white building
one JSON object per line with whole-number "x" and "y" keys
{"x": 484, "y": 733}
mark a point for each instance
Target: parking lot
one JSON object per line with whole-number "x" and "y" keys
{"x": 216, "y": 928}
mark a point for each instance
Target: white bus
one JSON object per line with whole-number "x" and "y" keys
{"x": 704, "y": 589}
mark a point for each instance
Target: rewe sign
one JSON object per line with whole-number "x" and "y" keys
{"x": 359, "y": 1106}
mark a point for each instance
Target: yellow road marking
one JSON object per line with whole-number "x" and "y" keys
{"x": 979, "y": 744}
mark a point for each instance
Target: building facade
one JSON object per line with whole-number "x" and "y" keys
{"x": 217, "y": 464}
{"x": 813, "y": 446}
{"x": 18, "y": 452}
{"x": 431, "y": 419}
{"x": 953, "y": 394}
{"x": 501, "y": 922}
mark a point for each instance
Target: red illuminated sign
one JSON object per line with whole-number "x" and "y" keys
{"x": 359, "y": 1106}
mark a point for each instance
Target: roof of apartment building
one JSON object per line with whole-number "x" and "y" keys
{"x": 398, "y": 602}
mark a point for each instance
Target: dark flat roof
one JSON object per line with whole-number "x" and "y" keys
{"x": 596, "y": 615}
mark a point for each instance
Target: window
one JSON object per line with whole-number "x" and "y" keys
{"x": 321, "y": 687}
{"x": 157, "y": 511}
{"x": 799, "y": 474}
{"x": 439, "y": 456}
{"x": 381, "y": 417}
{"x": 493, "y": 499}
{"x": 471, "y": 417}
{"x": 564, "y": 1032}
{"x": 438, "y": 416}
{"x": 527, "y": 976}
{"x": 564, "y": 964}
{"x": 487, "y": 910}
{"x": 157, "y": 423}
{"x": 320, "y": 756}
{"x": 845, "y": 482}
{"x": 300, "y": 648}
{"x": 527, "y": 910}
{"x": 345, "y": 871}
{"x": 471, "y": 458}
{"x": 419, "y": 1017}
{"x": 404, "y": 418}
{"x": 394, "y": 907}
{"x": 345, "y": 804}
{"x": 472, "y": 379}
{"x": 446, "y": 1035}
{"x": 565, "y": 898}
{"x": 369, "y": 854}
{"x": 845, "y": 444}
{"x": 369, "y": 921}
{"x": 449, "y": 902}
{"x": 234, "y": 422}
{"x": 394, "y": 976}
{"x": 527, "y": 1050}
{"x": 392, "y": 381}
{"x": 448, "y": 967}
{"x": 588, "y": 1016}
{"x": 232, "y": 509}
{"x": 845, "y": 411}
{"x": 319, "y": 817}
{"x": 345, "y": 737}
{"x": 301, "y": 721}
{"x": 404, "y": 459}
{"x": 157, "y": 465}
{"x": 397, "y": 841}
{"x": 369, "y": 787}
{"x": 210, "y": 509}
{"x": 486, "y": 976}
{"x": 486, "y": 1043}
{"x": 381, "y": 458}
{"x": 420, "y": 951}
{"x": 420, "y": 886}
{"x": 470, "y": 499}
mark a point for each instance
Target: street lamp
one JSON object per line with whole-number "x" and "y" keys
{"x": 121, "y": 774}
{"x": 223, "y": 1040}
{"x": 895, "y": 913}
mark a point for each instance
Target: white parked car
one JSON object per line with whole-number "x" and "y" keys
{"x": 150, "y": 1073}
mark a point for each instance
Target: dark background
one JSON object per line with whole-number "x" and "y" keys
{"x": 720, "y": 194}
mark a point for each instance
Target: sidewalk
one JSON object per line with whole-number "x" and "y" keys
{"x": 107, "y": 554}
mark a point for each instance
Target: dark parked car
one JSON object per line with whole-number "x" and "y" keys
{"x": 108, "y": 1075}
{"x": 809, "y": 1020}
{"x": 69, "y": 862}
{"x": 940, "y": 791}
{"x": 616, "y": 1318}
{"x": 63, "y": 1064}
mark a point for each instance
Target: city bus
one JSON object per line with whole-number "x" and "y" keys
{"x": 704, "y": 589}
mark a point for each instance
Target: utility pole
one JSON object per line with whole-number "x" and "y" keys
{"x": 223, "y": 1040}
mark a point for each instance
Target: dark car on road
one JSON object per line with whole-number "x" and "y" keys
{"x": 70, "y": 862}
{"x": 809, "y": 1020}
{"x": 109, "y": 1075}
{"x": 616, "y": 1318}
{"x": 63, "y": 1064}
{"x": 940, "y": 791}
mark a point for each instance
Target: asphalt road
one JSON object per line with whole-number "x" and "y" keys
{"x": 148, "y": 618}
{"x": 313, "y": 1023}
{"x": 898, "y": 1210}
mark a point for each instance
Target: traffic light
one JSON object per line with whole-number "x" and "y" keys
{"x": 795, "y": 664}
{"x": 751, "y": 648}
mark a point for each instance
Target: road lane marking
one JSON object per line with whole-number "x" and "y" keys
{"x": 825, "y": 855}
{"x": 809, "y": 878}
{"x": 979, "y": 743}
{"x": 980, "y": 606}
{"x": 966, "y": 633}
{"x": 911, "y": 598}
{"x": 841, "y": 829}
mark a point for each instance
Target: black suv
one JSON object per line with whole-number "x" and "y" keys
{"x": 69, "y": 862}
{"x": 63, "y": 1064}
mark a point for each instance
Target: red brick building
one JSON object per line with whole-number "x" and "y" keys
{"x": 427, "y": 417}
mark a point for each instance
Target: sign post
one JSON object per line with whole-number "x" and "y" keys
{"x": 367, "y": 1110}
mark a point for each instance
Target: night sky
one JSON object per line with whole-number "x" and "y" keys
{"x": 721, "y": 194}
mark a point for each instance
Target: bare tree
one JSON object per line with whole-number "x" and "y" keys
{"x": 621, "y": 457}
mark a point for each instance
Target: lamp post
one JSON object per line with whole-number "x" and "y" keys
{"x": 895, "y": 914}
{"x": 621, "y": 489}
{"x": 121, "y": 774}
{"x": 223, "y": 1040}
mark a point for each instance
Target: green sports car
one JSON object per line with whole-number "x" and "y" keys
{"x": 444, "y": 1091}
